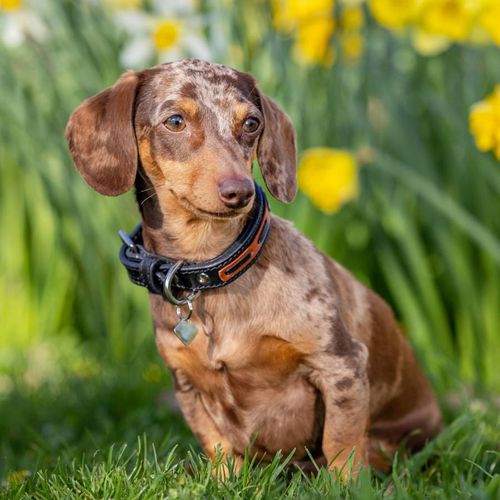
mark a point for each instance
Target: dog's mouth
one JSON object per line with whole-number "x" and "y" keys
{"x": 229, "y": 214}
{"x": 208, "y": 214}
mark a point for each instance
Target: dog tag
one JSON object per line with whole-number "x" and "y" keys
{"x": 186, "y": 331}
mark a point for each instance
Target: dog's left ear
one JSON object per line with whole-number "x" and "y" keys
{"x": 276, "y": 151}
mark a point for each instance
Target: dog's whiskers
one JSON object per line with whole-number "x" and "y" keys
{"x": 146, "y": 199}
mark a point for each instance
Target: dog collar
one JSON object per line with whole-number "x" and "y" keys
{"x": 165, "y": 276}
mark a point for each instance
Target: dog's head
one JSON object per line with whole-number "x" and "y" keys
{"x": 195, "y": 128}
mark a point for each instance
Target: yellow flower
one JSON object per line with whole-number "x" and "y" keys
{"x": 17, "y": 476}
{"x": 450, "y": 18}
{"x": 312, "y": 44}
{"x": 290, "y": 14}
{"x": 329, "y": 177}
{"x": 9, "y": 5}
{"x": 394, "y": 13}
{"x": 352, "y": 45}
{"x": 167, "y": 34}
{"x": 351, "y": 3}
{"x": 124, "y": 4}
{"x": 352, "y": 18}
{"x": 313, "y": 25}
{"x": 428, "y": 44}
{"x": 484, "y": 123}
{"x": 490, "y": 20}
{"x": 478, "y": 35}
{"x": 351, "y": 39}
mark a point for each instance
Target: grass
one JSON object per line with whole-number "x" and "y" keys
{"x": 114, "y": 432}
{"x": 85, "y": 403}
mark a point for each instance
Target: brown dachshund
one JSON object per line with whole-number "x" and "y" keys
{"x": 295, "y": 353}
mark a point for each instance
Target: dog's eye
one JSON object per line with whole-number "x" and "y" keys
{"x": 251, "y": 124}
{"x": 175, "y": 123}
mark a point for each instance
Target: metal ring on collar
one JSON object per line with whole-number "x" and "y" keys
{"x": 178, "y": 311}
{"x": 167, "y": 288}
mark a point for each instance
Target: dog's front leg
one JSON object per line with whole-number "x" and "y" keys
{"x": 340, "y": 376}
{"x": 203, "y": 427}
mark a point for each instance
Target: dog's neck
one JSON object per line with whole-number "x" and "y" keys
{"x": 171, "y": 230}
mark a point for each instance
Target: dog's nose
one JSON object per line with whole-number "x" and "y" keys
{"x": 236, "y": 193}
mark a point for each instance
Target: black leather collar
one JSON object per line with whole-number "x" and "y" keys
{"x": 150, "y": 270}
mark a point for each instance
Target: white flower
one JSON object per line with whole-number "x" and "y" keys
{"x": 171, "y": 31}
{"x": 18, "y": 24}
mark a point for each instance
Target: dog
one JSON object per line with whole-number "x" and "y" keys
{"x": 294, "y": 354}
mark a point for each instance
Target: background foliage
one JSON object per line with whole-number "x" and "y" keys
{"x": 78, "y": 366}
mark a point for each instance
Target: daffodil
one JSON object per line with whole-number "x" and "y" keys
{"x": 429, "y": 44}
{"x": 172, "y": 30}
{"x": 167, "y": 34}
{"x": 490, "y": 19}
{"x": 484, "y": 122}
{"x": 124, "y": 4}
{"x": 18, "y": 23}
{"x": 352, "y": 3}
{"x": 312, "y": 24}
{"x": 351, "y": 39}
{"x": 10, "y": 5}
{"x": 394, "y": 13}
{"x": 290, "y": 14}
{"x": 450, "y": 18}
{"x": 352, "y": 45}
{"x": 436, "y": 24}
{"x": 352, "y": 18}
{"x": 329, "y": 177}
{"x": 312, "y": 45}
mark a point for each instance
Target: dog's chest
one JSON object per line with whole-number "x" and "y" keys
{"x": 258, "y": 391}
{"x": 278, "y": 414}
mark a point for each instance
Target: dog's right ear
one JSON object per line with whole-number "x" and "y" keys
{"x": 101, "y": 137}
{"x": 276, "y": 151}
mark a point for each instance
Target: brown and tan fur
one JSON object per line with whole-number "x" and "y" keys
{"x": 296, "y": 353}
